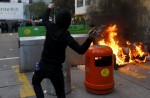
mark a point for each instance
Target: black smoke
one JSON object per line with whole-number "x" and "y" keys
{"x": 123, "y": 13}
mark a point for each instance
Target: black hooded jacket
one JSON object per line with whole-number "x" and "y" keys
{"x": 58, "y": 38}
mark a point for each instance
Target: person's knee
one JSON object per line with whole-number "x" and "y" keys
{"x": 34, "y": 81}
{"x": 61, "y": 96}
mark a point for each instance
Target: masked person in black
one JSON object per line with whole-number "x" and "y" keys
{"x": 53, "y": 54}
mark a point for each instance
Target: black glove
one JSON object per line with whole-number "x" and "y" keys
{"x": 92, "y": 33}
{"x": 96, "y": 32}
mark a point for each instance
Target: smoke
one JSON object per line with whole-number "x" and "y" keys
{"x": 124, "y": 13}
{"x": 113, "y": 11}
{"x": 146, "y": 3}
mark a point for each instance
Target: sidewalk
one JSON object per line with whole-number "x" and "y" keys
{"x": 124, "y": 88}
{"x": 131, "y": 81}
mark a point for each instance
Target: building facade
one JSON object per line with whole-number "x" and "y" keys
{"x": 15, "y": 11}
{"x": 83, "y": 6}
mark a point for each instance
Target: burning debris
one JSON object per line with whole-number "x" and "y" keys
{"x": 125, "y": 53}
{"x": 121, "y": 37}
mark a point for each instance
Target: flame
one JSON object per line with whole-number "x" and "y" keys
{"x": 109, "y": 38}
{"x": 138, "y": 54}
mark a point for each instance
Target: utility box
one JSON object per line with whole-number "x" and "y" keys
{"x": 99, "y": 78}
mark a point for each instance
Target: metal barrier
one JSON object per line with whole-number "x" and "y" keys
{"x": 30, "y": 49}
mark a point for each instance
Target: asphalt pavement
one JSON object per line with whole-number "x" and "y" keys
{"x": 131, "y": 81}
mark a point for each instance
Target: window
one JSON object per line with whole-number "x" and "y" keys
{"x": 79, "y": 3}
{"x": 88, "y": 2}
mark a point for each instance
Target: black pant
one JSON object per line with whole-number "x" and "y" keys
{"x": 56, "y": 78}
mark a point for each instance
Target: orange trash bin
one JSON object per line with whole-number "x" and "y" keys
{"x": 99, "y": 78}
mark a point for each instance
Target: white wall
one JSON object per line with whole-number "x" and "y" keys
{"x": 94, "y": 4}
{"x": 11, "y": 11}
{"x": 27, "y": 1}
{"x": 46, "y": 1}
{"x": 81, "y": 10}
{"x": 16, "y": 1}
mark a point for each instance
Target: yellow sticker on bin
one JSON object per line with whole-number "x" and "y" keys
{"x": 105, "y": 72}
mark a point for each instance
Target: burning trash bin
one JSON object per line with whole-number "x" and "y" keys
{"x": 99, "y": 77}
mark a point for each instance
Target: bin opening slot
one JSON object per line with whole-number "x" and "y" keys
{"x": 102, "y": 61}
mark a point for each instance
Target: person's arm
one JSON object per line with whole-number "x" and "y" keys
{"x": 80, "y": 49}
{"x": 45, "y": 19}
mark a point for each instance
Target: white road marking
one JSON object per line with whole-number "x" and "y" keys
{"x": 9, "y": 58}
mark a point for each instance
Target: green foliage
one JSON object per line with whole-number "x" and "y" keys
{"x": 37, "y": 9}
{"x": 69, "y": 4}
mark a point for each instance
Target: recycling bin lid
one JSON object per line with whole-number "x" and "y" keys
{"x": 39, "y": 40}
{"x": 34, "y": 40}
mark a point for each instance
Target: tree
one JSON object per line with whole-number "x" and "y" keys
{"x": 68, "y": 4}
{"x": 37, "y": 9}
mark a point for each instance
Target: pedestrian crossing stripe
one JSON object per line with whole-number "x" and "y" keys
{"x": 26, "y": 89}
{"x": 134, "y": 74}
{"x": 143, "y": 66}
